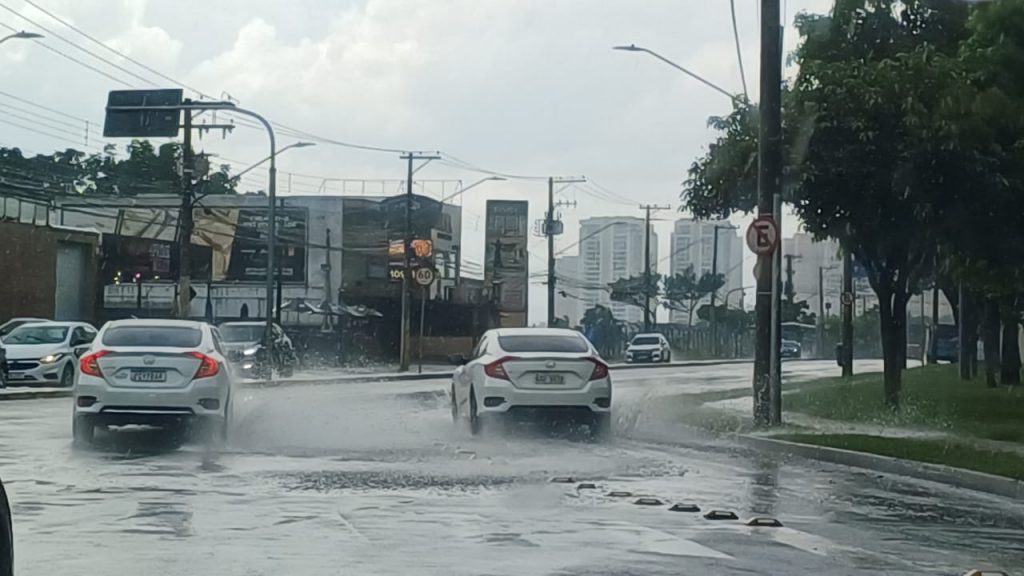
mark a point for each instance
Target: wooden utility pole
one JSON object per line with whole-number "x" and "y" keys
{"x": 186, "y": 223}
{"x": 550, "y": 231}
{"x": 647, "y": 208}
{"x": 769, "y": 184}
{"x": 403, "y": 354}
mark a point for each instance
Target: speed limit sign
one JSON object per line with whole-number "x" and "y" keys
{"x": 423, "y": 276}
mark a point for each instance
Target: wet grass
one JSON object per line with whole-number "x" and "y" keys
{"x": 933, "y": 398}
{"x": 949, "y": 453}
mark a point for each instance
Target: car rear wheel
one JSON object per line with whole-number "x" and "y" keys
{"x": 83, "y": 428}
{"x": 67, "y": 376}
{"x": 454, "y": 407}
{"x": 601, "y": 427}
{"x": 475, "y": 424}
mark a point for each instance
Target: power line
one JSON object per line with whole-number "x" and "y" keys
{"x": 100, "y": 43}
{"x": 69, "y": 42}
{"x": 739, "y": 52}
{"x": 72, "y": 58}
{"x": 43, "y": 133}
{"x": 47, "y": 108}
{"x": 55, "y": 128}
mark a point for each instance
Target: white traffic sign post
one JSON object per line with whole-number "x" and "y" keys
{"x": 762, "y": 235}
{"x": 424, "y": 277}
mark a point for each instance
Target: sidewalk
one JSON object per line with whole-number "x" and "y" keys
{"x": 31, "y": 392}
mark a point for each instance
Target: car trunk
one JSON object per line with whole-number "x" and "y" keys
{"x": 134, "y": 368}
{"x": 549, "y": 371}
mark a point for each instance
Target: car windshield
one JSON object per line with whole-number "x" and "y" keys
{"x": 153, "y": 336}
{"x": 241, "y": 332}
{"x": 543, "y": 343}
{"x": 34, "y": 334}
{"x": 646, "y": 341}
{"x": 12, "y": 325}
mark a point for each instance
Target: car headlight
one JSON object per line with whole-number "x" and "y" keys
{"x": 51, "y": 358}
{"x": 250, "y": 351}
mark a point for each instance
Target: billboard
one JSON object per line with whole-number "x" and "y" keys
{"x": 506, "y": 267}
{"x": 238, "y": 239}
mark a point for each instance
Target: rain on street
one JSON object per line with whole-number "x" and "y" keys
{"x": 372, "y": 478}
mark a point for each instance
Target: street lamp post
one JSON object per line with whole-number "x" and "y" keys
{"x": 462, "y": 191}
{"x": 238, "y": 176}
{"x": 694, "y": 75}
{"x": 20, "y": 36}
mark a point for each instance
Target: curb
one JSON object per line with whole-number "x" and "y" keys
{"x": 34, "y": 394}
{"x": 959, "y": 477}
{"x": 366, "y": 378}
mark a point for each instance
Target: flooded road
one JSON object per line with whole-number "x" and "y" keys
{"x": 373, "y": 479}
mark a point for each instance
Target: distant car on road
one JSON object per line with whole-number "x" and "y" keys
{"x": 533, "y": 372}
{"x": 167, "y": 373}
{"x": 243, "y": 344}
{"x": 46, "y": 352}
{"x": 648, "y": 348}
{"x": 790, "y": 349}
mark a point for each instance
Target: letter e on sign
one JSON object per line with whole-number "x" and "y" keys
{"x": 762, "y": 235}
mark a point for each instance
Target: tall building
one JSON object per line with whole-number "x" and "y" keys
{"x": 612, "y": 248}
{"x": 693, "y": 244}
{"x": 567, "y": 300}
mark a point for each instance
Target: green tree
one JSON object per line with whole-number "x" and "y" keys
{"x": 636, "y": 291}
{"x": 604, "y": 330}
{"x": 685, "y": 290}
{"x": 873, "y": 73}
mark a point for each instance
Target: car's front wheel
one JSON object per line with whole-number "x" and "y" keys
{"x": 67, "y": 376}
{"x": 83, "y": 428}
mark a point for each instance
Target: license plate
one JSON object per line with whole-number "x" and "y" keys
{"x": 149, "y": 375}
{"x": 549, "y": 379}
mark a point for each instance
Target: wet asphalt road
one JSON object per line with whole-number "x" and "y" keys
{"x": 373, "y": 479}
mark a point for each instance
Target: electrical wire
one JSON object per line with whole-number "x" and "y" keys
{"x": 72, "y": 44}
{"x": 739, "y": 51}
{"x": 72, "y": 58}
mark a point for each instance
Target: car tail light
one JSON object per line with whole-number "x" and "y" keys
{"x": 89, "y": 365}
{"x": 600, "y": 370}
{"x": 207, "y": 365}
{"x": 496, "y": 369}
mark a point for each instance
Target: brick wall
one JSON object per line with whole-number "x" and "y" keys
{"x": 28, "y": 270}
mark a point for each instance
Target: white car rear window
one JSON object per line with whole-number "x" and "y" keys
{"x": 153, "y": 336}
{"x": 543, "y": 343}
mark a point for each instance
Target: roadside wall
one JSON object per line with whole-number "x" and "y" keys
{"x": 28, "y": 263}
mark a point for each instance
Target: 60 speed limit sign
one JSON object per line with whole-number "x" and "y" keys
{"x": 423, "y": 276}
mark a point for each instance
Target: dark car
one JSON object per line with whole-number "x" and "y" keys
{"x": 790, "y": 349}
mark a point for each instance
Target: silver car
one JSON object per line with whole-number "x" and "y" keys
{"x": 167, "y": 373}
{"x": 533, "y": 372}
{"x": 46, "y": 352}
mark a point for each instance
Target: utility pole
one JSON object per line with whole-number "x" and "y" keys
{"x": 769, "y": 184}
{"x": 551, "y": 232}
{"x": 403, "y": 354}
{"x": 277, "y": 272}
{"x": 185, "y": 221}
{"x": 846, "y": 305}
{"x": 647, "y": 208}
{"x": 325, "y": 326}
{"x": 714, "y": 293}
{"x": 790, "y": 289}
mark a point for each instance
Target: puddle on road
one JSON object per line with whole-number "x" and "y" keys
{"x": 330, "y": 481}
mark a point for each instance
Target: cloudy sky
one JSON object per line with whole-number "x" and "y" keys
{"x": 527, "y": 87}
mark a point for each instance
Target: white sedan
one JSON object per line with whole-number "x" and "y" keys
{"x": 534, "y": 372}
{"x": 166, "y": 373}
{"x": 46, "y": 352}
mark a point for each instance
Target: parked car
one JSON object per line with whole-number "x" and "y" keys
{"x": 790, "y": 349}
{"x": 9, "y": 326}
{"x": 944, "y": 345}
{"x": 533, "y": 372}
{"x": 648, "y": 348}
{"x": 166, "y": 373}
{"x": 46, "y": 352}
{"x": 243, "y": 343}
